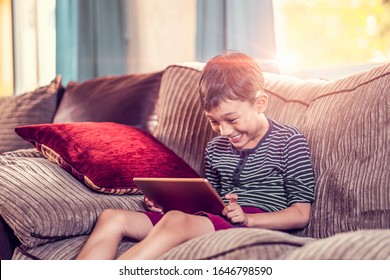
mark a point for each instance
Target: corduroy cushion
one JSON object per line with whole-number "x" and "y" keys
{"x": 67, "y": 249}
{"x": 347, "y": 127}
{"x": 33, "y": 107}
{"x": 229, "y": 244}
{"x": 238, "y": 243}
{"x": 289, "y": 97}
{"x": 105, "y": 156}
{"x": 357, "y": 245}
{"x": 127, "y": 99}
{"x": 43, "y": 203}
{"x": 182, "y": 125}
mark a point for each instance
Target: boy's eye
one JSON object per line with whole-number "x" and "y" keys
{"x": 232, "y": 120}
{"x": 213, "y": 122}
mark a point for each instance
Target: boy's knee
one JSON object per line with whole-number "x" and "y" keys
{"x": 112, "y": 216}
{"x": 174, "y": 217}
{"x": 107, "y": 214}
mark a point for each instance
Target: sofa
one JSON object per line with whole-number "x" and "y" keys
{"x": 60, "y": 168}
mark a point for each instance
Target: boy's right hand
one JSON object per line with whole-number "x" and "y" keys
{"x": 152, "y": 206}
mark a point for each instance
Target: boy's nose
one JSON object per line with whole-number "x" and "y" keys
{"x": 225, "y": 130}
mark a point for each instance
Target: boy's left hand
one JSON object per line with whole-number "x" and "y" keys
{"x": 233, "y": 211}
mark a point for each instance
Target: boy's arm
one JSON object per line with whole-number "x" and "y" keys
{"x": 298, "y": 171}
{"x": 299, "y": 186}
{"x": 294, "y": 217}
{"x": 210, "y": 174}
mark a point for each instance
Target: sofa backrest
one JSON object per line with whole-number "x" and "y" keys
{"x": 127, "y": 99}
{"x": 182, "y": 125}
{"x": 290, "y": 97}
{"x": 347, "y": 126}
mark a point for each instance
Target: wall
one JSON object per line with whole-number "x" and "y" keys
{"x": 160, "y": 33}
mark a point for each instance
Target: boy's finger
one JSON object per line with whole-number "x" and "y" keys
{"x": 232, "y": 197}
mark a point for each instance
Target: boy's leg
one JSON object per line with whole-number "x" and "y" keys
{"x": 174, "y": 228}
{"x": 112, "y": 225}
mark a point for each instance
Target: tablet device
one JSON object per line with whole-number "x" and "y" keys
{"x": 189, "y": 195}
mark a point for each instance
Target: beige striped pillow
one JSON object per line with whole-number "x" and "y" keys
{"x": 347, "y": 126}
{"x": 34, "y": 107}
{"x": 182, "y": 125}
{"x": 43, "y": 203}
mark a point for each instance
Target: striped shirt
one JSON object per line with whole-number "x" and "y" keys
{"x": 271, "y": 176}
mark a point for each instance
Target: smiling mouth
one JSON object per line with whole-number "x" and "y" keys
{"x": 236, "y": 138}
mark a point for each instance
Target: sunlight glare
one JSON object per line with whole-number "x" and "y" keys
{"x": 287, "y": 61}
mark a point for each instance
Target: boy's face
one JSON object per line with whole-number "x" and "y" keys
{"x": 243, "y": 123}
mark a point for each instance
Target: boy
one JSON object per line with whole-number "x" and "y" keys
{"x": 261, "y": 168}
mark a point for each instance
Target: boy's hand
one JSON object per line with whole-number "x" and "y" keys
{"x": 151, "y": 206}
{"x": 233, "y": 211}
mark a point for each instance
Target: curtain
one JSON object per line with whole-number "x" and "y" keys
{"x": 90, "y": 38}
{"x": 246, "y": 26}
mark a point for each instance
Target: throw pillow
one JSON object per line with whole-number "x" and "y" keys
{"x": 105, "y": 156}
{"x": 182, "y": 125}
{"x": 43, "y": 203}
{"x": 347, "y": 127}
{"x": 33, "y": 107}
{"x": 126, "y": 99}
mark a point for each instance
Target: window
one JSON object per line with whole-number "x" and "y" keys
{"x": 6, "y": 68}
{"x": 34, "y": 43}
{"x": 306, "y": 38}
{"x": 331, "y": 35}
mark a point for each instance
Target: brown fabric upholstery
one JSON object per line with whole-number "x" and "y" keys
{"x": 347, "y": 126}
{"x": 127, "y": 99}
{"x": 227, "y": 244}
{"x": 359, "y": 245}
{"x": 34, "y": 107}
{"x": 289, "y": 97}
{"x": 233, "y": 244}
{"x": 182, "y": 125}
{"x": 244, "y": 244}
{"x": 66, "y": 249}
{"x": 43, "y": 203}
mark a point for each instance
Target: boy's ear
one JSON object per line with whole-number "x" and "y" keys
{"x": 262, "y": 102}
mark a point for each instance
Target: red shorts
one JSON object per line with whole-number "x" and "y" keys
{"x": 219, "y": 222}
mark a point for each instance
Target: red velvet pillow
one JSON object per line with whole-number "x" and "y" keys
{"x": 104, "y": 155}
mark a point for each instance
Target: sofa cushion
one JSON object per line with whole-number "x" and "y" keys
{"x": 238, "y": 243}
{"x": 290, "y": 97}
{"x": 229, "y": 244}
{"x": 347, "y": 127}
{"x": 33, "y": 107}
{"x": 43, "y": 203}
{"x": 182, "y": 125}
{"x": 105, "y": 156}
{"x": 358, "y": 245}
{"x": 127, "y": 99}
{"x": 67, "y": 249}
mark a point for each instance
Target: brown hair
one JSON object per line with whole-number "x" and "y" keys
{"x": 230, "y": 76}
